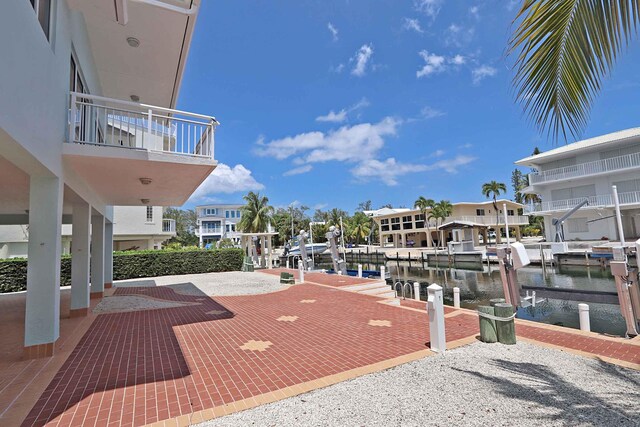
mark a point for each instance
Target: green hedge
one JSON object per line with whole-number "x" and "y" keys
{"x": 134, "y": 264}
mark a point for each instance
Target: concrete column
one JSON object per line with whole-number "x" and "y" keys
{"x": 263, "y": 244}
{"x": 108, "y": 254}
{"x": 485, "y": 236}
{"x": 66, "y": 246}
{"x": 404, "y": 240}
{"x": 518, "y": 234}
{"x": 42, "y": 317}
{"x": 97, "y": 256}
{"x": 80, "y": 260}
{"x": 476, "y": 236}
{"x": 498, "y": 235}
{"x": 200, "y": 235}
{"x": 270, "y": 252}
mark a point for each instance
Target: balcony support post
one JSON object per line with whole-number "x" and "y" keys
{"x": 108, "y": 254}
{"x": 97, "y": 256}
{"x": 80, "y": 258}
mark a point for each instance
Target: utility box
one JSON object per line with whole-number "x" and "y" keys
{"x": 519, "y": 256}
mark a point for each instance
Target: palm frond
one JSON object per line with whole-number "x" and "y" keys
{"x": 565, "y": 49}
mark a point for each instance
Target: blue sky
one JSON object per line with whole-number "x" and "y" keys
{"x": 331, "y": 103}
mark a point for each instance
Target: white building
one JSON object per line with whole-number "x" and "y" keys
{"x": 565, "y": 176}
{"x": 74, "y": 75}
{"x": 217, "y": 222}
{"x": 403, "y": 227}
{"x": 134, "y": 228}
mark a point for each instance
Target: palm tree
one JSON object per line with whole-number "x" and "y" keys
{"x": 256, "y": 214}
{"x": 565, "y": 49}
{"x": 442, "y": 210}
{"x": 358, "y": 226}
{"x": 494, "y": 189}
{"x": 424, "y": 204}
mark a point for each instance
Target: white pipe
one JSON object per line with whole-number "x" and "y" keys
{"x": 616, "y": 202}
{"x": 456, "y": 297}
{"x": 360, "y": 270}
{"x": 416, "y": 291}
{"x": 182, "y": 10}
{"x": 585, "y": 323}
{"x": 383, "y": 272}
{"x": 301, "y": 270}
{"x": 506, "y": 223}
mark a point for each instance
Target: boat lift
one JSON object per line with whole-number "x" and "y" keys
{"x": 302, "y": 241}
{"x": 339, "y": 265}
{"x": 558, "y": 222}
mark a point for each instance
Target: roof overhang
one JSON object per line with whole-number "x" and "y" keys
{"x": 457, "y": 225}
{"x": 153, "y": 70}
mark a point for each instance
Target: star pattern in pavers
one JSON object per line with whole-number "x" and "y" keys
{"x": 256, "y": 345}
{"x": 308, "y": 301}
{"x": 287, "y": 318}
{"x": 216, "y": 312}
{"x": 386, "y": 323}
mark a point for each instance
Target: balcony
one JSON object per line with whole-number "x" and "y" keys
{"x": 487, "y": 220}
{"x": 131, "y": 154}
{"x": 606, "y": 200}
{"x": 169, "y": 226}
{"x": 620, "y": 163}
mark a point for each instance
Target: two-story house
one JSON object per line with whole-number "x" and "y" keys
{"x": 134, "y": 228}
{"x": 88, "y": 122}
{"x": 567, "y": 175}
{"x": 216, "y": 222}
{"x": 404, "y": 227}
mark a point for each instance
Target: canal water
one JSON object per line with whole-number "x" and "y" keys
{"x": 478, "y": 285}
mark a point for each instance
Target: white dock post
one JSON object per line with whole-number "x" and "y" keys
{"x": 456, "y": 297}
{"x": 383, "y": 272}
{"x": 301, "y": 270}
{"x": 287, "y": 263}
{"x": 585, "y": 323}
{"x": 533, "y": 299}
{"x": 416, "y": 291}
{"x": 435, "y": 306}
{"x": 360, "y": 270}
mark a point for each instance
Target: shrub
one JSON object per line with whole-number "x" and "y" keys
{"x": 134, "y": 264}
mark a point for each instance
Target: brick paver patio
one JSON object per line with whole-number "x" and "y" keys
{"x": 223, "y": 354}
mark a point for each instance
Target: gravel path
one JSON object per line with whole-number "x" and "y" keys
{"x": 213, "y": 284}
{"x": 476, "y": 385}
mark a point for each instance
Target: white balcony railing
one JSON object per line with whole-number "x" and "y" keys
{"x": 628, "y": 161}
{"x": 105, "y": 121}
{"x": 168, "y": 225}
{"x": 606, "y": 200}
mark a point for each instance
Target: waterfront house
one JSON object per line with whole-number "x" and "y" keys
{"x": 88, "y": 122}
{"x": 216, "y": 222}
{"x": 567, "y": 175}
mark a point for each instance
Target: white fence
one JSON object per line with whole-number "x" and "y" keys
{"x": 106, "y": 121}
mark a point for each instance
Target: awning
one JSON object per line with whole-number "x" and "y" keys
{"x": 460, "y": 225}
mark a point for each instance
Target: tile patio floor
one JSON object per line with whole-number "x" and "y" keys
{"x": 180, "y": 365}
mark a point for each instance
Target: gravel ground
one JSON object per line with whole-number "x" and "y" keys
{"x": 116, "y": 304}
{"x": 213, "y": 284}
{"x": 476, "y": 385}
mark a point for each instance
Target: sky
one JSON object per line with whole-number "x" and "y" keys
{"x": 331, "y": 103}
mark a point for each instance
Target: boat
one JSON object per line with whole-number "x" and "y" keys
{"x": 315, "y": 248}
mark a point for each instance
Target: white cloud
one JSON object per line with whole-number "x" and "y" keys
{"x": 333, "y": 30}
{"x": 433, "y": 64}
{"x": 341, "y": 115}
{"x": 511, "y": 4}
{"x": 437, "y": 153}
{"x": 319, "y": 206}
{"x": 386, "y": 171}
{"x": 348, "y": 143}
{"x": 361, "y": 58}
{"x": 467, "y": 145}
{"x": 458, "y": 60}
{"x": 451, "y": 165}
{"x": 474, "y": 11}
{"x": 337, "y": 69}
{"x": 412, "y": 24}
{"x": 298, "y": 170}
{"x": 459, "y": 36}
{"x": 430, "y": 113}
{"x": 333, "y": 117}
{"x": 483, "y": 72}
{"x": 225, "y": 179}
{"x": 431, "y": 8}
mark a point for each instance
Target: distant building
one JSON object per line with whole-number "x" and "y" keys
{"x": 216, "y": 222}
{"x": 134, "y": 228}
{"x": 404, "y": 227}
{"x": 565, "y": 176}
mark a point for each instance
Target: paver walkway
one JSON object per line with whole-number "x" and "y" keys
{"x": 224, "y": 354}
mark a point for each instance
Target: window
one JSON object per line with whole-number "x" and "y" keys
{"x": 233, "y": 214}
{"x": 395, "y": 223}
{"x": 479, "y": 212}
{"x": 419, "y": 221}
{"x": 510, "y": 212}
{"x": 384, "y": 224}
{"x": 149, "y": 213}
{"x": 579, "y": 192}
{"x": 43, "y": 12}
{"x": 210, "y": 211}
{"x": 226, "y": 214}
{"x": 407, "y": 222}
{"x": 577, "y": 225}
{"x": 238, "y": 214}
{"x": 228, "y": 227}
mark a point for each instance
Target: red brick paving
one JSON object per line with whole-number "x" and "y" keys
{"x": 140, "y": 367}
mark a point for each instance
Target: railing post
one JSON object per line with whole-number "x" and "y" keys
{"x": 72, "y": 118}
{"x": 149, "y": 127}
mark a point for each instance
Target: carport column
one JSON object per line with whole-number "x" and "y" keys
{"x": 263, "y": 244}
{"x": 42, "y": 317}
{"x": 404, "y": 240}
{"x": 108, "y": 254}
{"x": 498, "y": 235}
{"x": 97, "y": 256}
{"x": 270, "y": 252}
{"x": 80, "y": 259}
{"x": 518, "y": 233}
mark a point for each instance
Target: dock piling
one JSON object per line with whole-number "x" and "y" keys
{"x": 585, "y": 322}
{"x": 456, "y": 297}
